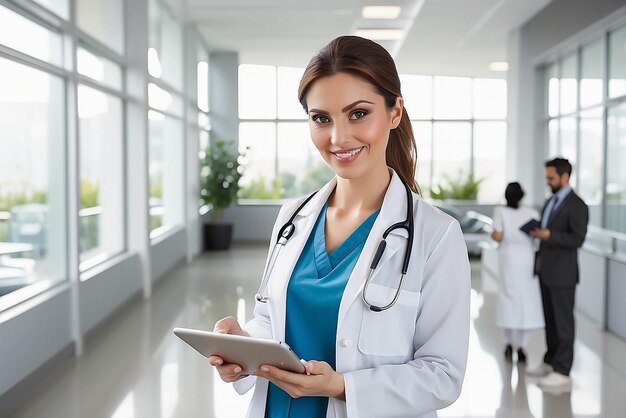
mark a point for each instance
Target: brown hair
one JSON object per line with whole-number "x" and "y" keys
{"x": 369, "y": 61}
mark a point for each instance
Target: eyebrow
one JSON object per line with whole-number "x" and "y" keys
{"x": 345, "y": 109}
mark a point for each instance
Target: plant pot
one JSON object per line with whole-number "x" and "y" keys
{"x": 218, "y": 237}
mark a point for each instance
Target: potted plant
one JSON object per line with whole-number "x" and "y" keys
{"x": 219, "y": 183}
{"x": 461, "y": 189}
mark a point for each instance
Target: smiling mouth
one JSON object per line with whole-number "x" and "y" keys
{"x": 350, "y": 153}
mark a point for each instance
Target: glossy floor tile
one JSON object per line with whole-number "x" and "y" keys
{"x": 135, "y": 367}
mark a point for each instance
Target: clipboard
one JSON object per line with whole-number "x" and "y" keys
{"x": 530, "y": 225}
{"x": 248, "y": 352}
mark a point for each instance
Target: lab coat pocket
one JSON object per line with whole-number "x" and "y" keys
{"x": 390, "y": 332}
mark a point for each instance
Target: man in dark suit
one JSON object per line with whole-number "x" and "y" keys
{"x": 563, "y": 229}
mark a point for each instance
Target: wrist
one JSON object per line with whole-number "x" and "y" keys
{"x": 339, "y": 387}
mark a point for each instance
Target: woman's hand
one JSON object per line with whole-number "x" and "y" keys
{"x": 320, "y": 380}
{"x": 228, "y": 372}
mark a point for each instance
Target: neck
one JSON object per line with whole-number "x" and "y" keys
{"x": 365, "y": 193}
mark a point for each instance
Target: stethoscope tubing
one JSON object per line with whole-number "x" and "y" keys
{"x": 288, "y": 229}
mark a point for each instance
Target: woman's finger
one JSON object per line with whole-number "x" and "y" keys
{"x": 215, "y": 361}
{"x": 285, "y": 376}
{"x": 230, "y": 372}
{"x": 229, "y": 325}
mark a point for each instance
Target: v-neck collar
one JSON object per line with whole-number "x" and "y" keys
{"x": 327, "y": 262}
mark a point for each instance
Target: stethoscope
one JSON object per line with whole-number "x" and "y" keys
{"x": 287, "y": 230}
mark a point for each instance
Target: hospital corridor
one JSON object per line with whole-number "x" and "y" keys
{"x": 349, "y": 209}
{"x": 136, "y": 367}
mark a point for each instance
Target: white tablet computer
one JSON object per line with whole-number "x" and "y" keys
{"x": 248, "y": 352}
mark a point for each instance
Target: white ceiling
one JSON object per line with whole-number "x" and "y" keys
{"x": 443, "y": 37}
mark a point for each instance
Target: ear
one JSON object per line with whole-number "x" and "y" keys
{"x": 396, "y": 112}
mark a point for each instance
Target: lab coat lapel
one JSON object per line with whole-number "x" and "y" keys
{"x": 290, "y": 253}
{"x": 392, "y": 211}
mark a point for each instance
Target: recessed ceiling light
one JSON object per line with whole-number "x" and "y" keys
{"x": 499, "y": 66}
{"x": 381, "y": 12}
{"x": 380, "y": 34}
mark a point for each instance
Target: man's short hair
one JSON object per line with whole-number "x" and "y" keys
{"x": 561, "y": 165}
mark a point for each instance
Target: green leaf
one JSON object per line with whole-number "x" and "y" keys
{"x": 219, "y": 177}
{"x": 464, "y": 188}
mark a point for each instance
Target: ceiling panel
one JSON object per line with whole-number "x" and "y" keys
{"x": 453, "y": 37}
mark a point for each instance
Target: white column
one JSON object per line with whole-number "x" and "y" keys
{"x": 525, "y": 140}
{"x": 73, "y": 192}
{"x": 192, "y": 178}
{"x": 224, "y": 91}
{"x": 137, "y": 211}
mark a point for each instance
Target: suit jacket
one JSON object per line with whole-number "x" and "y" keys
{"x": 557, "y": 259}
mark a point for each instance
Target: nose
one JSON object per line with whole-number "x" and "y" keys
{"x": 340, "y": 134}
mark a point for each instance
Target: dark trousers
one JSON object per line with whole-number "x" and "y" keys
{"x": 558, "y": 310}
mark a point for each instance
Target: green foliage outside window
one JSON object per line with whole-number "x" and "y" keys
{"x": 22, "y": 198}
{"x": 463, "y": 188}
{"x": 156, "y": 187}
{"x": 259, "y": 189}
{"x": 286, "y": 185}
{"x": 89, "y": 194}
{"x": 10, "y": 200}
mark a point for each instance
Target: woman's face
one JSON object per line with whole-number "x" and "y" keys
{"x": 350, "y": 124}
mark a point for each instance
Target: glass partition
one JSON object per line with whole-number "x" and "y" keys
{"x": 102, "y": 20}
{"x": 33, "y": 216}
{"x": 616, "y": 169}
{"x": 34, "y": 40}
{"x": 591, "y": 77}
{"x": 101, "y": 212}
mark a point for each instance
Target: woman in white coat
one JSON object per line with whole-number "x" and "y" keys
{"x": 519, "y": 308}
{"x": 405, "y": 361}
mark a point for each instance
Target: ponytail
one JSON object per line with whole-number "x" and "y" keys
{"x": 402, "y": 152}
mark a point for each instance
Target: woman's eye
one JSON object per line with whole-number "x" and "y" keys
{"x": 320, "y": 119}
{"x": 358, "y": 114}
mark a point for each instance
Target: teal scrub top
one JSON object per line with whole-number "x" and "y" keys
{"x": 313, "y": 297}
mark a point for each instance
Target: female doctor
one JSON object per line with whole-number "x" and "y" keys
{"x": 378, "y": 343}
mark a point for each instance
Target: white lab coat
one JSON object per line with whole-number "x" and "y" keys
{"x": 409, "y": 360}
{"x": 519, "y": 297}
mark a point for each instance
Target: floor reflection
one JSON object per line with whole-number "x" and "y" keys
{"x": 513, "y": 397}
{"x": 134, "y": 367}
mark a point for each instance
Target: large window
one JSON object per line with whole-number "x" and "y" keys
{"x": 281, "y": 160}
{"x": 166, "y": 37}
{"x": 103, "y": 20}
{"x": 203, "y": 105}
{"x": 165, "y": 172}
{"x": 166, "y": 124}
{"x": 460, "y": 129}
{"x": 101, "y": 212}
{"x": 459, "y": 125}
{"x": 59, "y": 7}
{"x": 616, "y": 170}
{"x": 577, "y": 106}
{"x": 36, "y": 148}
{"x": 34, "y": 39}
{"x": 32, "y": 178}
{"x": 617, "y": 63}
